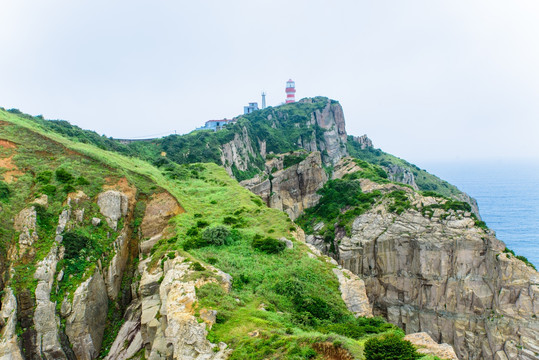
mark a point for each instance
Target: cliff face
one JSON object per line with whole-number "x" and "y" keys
{"x": 292, "y": 189}
{"x": 436, "y": 272}
{"x": 332, "y": 143}
{"x": 320, "y": 128}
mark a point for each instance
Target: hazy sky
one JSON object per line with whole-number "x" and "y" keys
{"x": 424, "y": 79}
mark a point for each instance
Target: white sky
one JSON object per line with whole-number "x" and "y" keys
{"x": 448, "y": 80}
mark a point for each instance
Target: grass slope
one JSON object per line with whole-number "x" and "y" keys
{"x": 279, "y": 304}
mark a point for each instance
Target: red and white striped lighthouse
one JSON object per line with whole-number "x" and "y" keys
{"x": 290, "y": 91}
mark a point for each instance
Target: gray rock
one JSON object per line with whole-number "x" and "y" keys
{"x": 96, "y": 221}
{"x": 353, "y": 293}
{"x": 86, "y": 324}
{"x": 9, "y": 347}
{"x": 293, "y": 189}
{"x": 113, "y": 205}
{"x": 289, "y": 244}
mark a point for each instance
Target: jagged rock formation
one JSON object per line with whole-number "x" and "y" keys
{"x": 327, "y": 135}
{"x": 363, "y": 141}
{"x": 437, "y": 272}
{"x": 239, "y": 152}
{"x": 400, "y": 174}
{"x": 291, "y": 189}
{"x": 332, "y": 144}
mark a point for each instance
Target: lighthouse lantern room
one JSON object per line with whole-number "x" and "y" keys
{"x": 290, "y": 91}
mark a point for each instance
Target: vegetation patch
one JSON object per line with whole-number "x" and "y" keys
{"x": 424, "y": 180}
{"x": 520, "y": 257}
{"x": 268, "y": 244}
{"x": 342, "y": 200}
{"x": 293, "y": 159}
{"x": 390, "y": 347}
{"x": 399, "y": 201}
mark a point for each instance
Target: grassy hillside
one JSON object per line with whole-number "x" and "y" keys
{"x": 424, "y": 180}
{"x": 281, "y": 302}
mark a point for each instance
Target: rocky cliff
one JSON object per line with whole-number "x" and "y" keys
{"x": 291, "y": 189}
{"x": 429, "y": 267}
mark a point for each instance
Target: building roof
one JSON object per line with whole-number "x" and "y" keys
{"x": 222, "y": 120}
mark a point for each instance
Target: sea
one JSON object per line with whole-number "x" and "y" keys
{"x": 508, "y": 196}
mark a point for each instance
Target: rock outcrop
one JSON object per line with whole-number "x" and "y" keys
{"x": 439, "y": 273}
{"x": 86, "y": 323}
{"x": 25, "y": 223}
{"x": 238, "y": 152}
{"x": 332, "y": 143}
{"x": 113, "y": 205}
{"x": 9, "y": 347}
{"x": 363, "y": 141}
{"x": 353, "y": 292}
{"x": 401, "y": 174}
{"x": 425, "y": 345}
{"x": 291, "y": 189}
{"x": 45, "y": 319}
{"x": 162, "y": 319}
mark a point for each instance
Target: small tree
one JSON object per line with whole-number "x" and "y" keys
{"x": 389, "y": 347}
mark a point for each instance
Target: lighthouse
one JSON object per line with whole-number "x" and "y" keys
{"x": 290, "y": 91}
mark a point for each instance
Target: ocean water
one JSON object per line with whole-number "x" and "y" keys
{"x": 508, "y": 198}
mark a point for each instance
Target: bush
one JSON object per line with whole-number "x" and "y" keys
{"x": 48, "y": 190}
{"x": 196, "y": 266}
{"x": 63, "y": 176}
{"x": 216, "y": 235}
{"x": 268, "y": 245}
{"x": 74, "y": 243}
{"x": 357, "y": 328}
{"x": 291, "y": 160}
{"x": 389, "y": 347}
{"x": 44, "y": 177}
{"x": 82, "y": 181}
{"x": 4, "y": 191}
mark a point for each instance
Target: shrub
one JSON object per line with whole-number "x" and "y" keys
{"x": 82, "y": 181}
{"x": 291, "y": 160}
{"x": 400, "y": 202}
{"x": 389, "y": 347}
{"x": 74, "y": 243}
{"x": 48, "y": 190}
{"x": 4, "y": 191}
{"x": 216, "y": 235}
{"x": 202, "y": 223}
{"x": 357, "y": 328}
{"x": 268, "y": 245}
{"x": 63, "y": 176}
{"x": 44, "y": 177}
{"x": 197, "y": 267}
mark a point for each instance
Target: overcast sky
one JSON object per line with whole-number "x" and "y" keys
{"x": 426, "y": 80}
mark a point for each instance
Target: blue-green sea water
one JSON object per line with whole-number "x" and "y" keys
{"x": 508, "y": 198}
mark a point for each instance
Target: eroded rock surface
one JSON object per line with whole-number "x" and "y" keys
{"x": 427, "y": 346}
{"x": 442, "y": 275}
{"x": 291, "y": 189}
{"x": 9, "y": 347}
{"x": 353, "y": 293}
{"x": 113, "y": 205}
{"x": 162, "y": 317}
{"x": 86, "y": 324}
